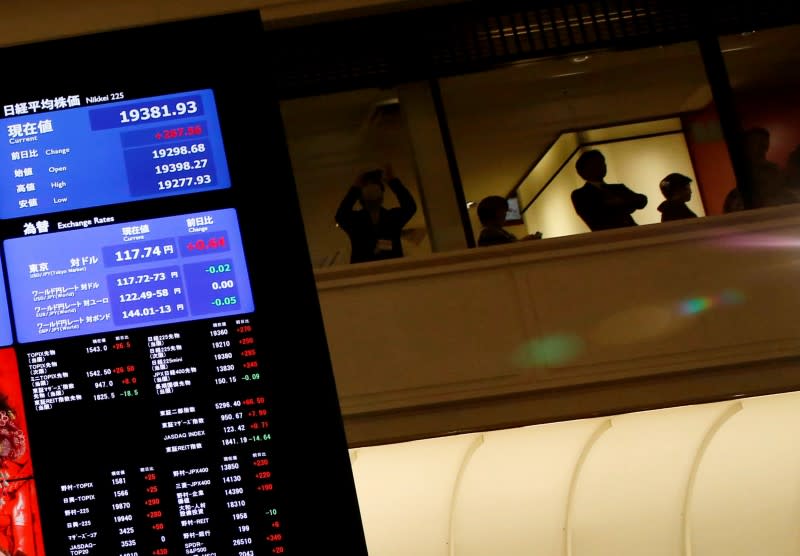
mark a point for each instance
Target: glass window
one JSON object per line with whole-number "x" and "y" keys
{"x": 761, "y": 67}
{"x": 520, "y": 131}
{"x": 372, "y": 175}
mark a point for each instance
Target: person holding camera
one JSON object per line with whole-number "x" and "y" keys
{"x": 492, "y": 212}
{"x": 374, "y": 230}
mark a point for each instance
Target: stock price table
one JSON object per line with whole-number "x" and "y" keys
{"x": 171, "y": 469}
{"x": 75, "y": 153}
{"x": 150, "y": 324}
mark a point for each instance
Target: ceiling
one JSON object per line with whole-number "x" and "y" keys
{"x": 20, "y": 24}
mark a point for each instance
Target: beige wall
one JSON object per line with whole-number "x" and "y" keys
{"x": 643, "y": 163}
{"x": 552, "y": 212}
{"x": 438, "y": 197}
{"x": 547, "y": 166}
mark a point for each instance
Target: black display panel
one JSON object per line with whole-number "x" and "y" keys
{"x": 6, "y": 337}
{"x": 165, "y": 382}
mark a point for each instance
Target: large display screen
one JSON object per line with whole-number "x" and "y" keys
{"x": 75, "y": 152}
{"x": 165, "y": 384}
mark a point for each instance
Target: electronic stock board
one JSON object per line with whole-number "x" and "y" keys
{"x": 165, "y": 384}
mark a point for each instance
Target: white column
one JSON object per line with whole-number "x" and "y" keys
{"x": 437, "y": 194}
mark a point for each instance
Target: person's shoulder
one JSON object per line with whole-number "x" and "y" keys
{"x": 675, "y": 207}
{"x": 487, "y": 233}
{"x": 733, "y": 201}
{"x": 585, "y": 189}
{"x": 493, "y": 236}
{"x": 617, "y": 186}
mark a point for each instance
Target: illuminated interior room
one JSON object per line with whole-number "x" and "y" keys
{"x": 637, "y": 154}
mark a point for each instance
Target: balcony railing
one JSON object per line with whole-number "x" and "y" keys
{"x": 488, "y": 329}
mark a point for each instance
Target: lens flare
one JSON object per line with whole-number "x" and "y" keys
{"x": 548, "y": 351}
{"x": 762, "y": 240}
{"x": 637, "y": 325}
{"x": 697, "y": 305}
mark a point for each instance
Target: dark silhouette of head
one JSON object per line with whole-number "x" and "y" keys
{"x": 794, "y": 158}
{"x": 591, "y": 166}
{"x": 756, "y": 144}
{"x": 793, "y": 166}
{"x": 372, "y": 188}
{"x": 676, "y": 187}
{"x": 492, "y": 211}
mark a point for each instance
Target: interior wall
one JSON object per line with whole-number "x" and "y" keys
{"x": 547, "y": 166}
{"x": 641, "y": 164}
{"x": 717, "y": 479}
{"x": 552, "y": 212}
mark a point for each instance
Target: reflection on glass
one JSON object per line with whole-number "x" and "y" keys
{"x": 520, "y": 131}
{"x": 375, "y": 232}
{"x": 336, "y": 142}
{"x": 761, "y": 66}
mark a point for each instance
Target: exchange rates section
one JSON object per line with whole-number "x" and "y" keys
{"x": 97, "y": 279}
{"x": 76, "y": 152}
{"x": 157, "y": 442}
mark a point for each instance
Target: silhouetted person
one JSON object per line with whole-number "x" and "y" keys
{"x": 677, "y": 191}
{"x": 601, "y": 205}
{"x": 793, "y": 171}
{"x": 492, "y": 211}
{"x": 767, "y": 179}
{"x": 374, "y": 231}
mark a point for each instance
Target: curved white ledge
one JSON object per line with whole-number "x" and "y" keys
{"x": 573, "y": 484}
{"x": 712, "y": 431}
{"x": 468, "y": 453}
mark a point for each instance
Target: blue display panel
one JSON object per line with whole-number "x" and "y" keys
{"x": 99, "y": 279}
{"x": 114, "y": 152}
{"x": 5, "y": 323}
